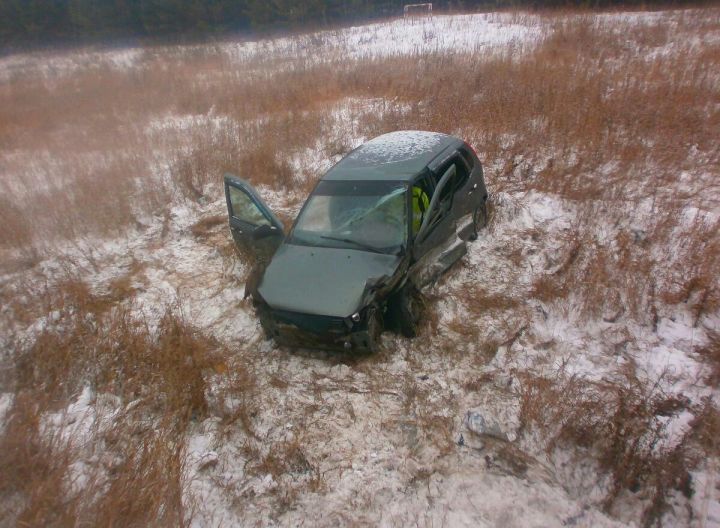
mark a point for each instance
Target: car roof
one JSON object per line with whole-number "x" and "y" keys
{"x": 394, "y": 156}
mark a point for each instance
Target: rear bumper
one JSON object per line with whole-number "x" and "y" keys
{"x": 312, "y": 331}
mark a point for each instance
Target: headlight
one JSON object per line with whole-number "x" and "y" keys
{"x": 355, "y": 317}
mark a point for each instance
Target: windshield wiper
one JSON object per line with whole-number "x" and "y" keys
{"x": 355, "y": 243}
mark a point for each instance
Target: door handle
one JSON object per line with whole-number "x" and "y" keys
{"x": 473, "y": 189}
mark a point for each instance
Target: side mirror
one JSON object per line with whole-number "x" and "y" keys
{"x": 264, "y": 231}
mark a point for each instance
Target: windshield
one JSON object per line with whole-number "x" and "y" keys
{"x": 365, "y": 215}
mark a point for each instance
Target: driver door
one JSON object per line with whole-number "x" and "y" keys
{"x": 256, "y": 230}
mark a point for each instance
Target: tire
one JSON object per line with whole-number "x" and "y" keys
{"x": 480, "y": 219}
{"x": 374, "y": 330}
{"x": 406, "y": 309}
{"x": 265, "y": 320}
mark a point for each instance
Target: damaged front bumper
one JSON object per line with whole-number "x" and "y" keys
{"x": 300, "y": 330}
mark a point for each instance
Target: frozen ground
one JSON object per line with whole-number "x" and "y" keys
{"x": 427, "y": 432}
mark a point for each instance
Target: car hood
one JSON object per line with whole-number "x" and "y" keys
{"x": 322, "y": 281}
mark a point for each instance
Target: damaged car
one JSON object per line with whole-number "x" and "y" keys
{"x": 382, "y": 224}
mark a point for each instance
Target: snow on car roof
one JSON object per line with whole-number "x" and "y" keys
{"x": 398, "y": 155}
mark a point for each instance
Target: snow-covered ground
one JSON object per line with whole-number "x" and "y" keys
{"x": 395, "y": 437}
{"x": 482, "y": 33}
{"x": 428, "y": 432}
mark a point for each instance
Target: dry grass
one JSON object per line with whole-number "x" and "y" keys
{"x": 711, "y": 353}
{"x": 624, "y": 425}
{"x": 203, "y": 227}
{"x": 606, "y": 104}
{"x": 287, "y": 461}
{"x": 33, "y": 468}
{"x": 147, "y": 485}
{"x": 95, "y": 341}
{"x": 158, "y": 372}
{"x": 477, "y": 304}
{"x": 141, "y": 481}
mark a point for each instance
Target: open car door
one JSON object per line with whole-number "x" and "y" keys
{"x": 256, "y": 230}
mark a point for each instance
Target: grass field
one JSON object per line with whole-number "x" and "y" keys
{"x": 136, "y": 387}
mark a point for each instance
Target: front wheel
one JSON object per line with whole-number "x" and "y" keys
{"x": 479, "y": 219}
{"x": 406, "y": 309}
{"x": 374, "y": 330}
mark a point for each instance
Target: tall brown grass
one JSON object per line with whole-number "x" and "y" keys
{"x": 602, "y": 101}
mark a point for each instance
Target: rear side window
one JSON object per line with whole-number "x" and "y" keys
{"x": 469, "y": 159}
{"x": 457, "y": 181}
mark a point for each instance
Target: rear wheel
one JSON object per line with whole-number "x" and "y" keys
{"x": 479, "y": 219}
{"x": 265, "y": 320}
{"x": 406, "y": 309}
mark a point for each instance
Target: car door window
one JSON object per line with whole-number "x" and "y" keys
{"x": 456, "y": 182}
{"x": 421, "y": 194}
{"x": 243, "y": 208}
{"x": 444, "y": 204}
{"x": 439, "y": 210}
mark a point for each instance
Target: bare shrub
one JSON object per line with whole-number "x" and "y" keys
{"x": 477, "y": 303}
{"x": 602, "y": 280}
{"x": 284, "y": 457}
{"x": 211, "y": 155}
{"x": 235, "y": 398}
{"x": 258, "y": 154}
{"x": 164, "y": 368}
{"x": 288, "y": 463}
{"x": 101, "y": 199}
{"x": 169, "y": 368}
